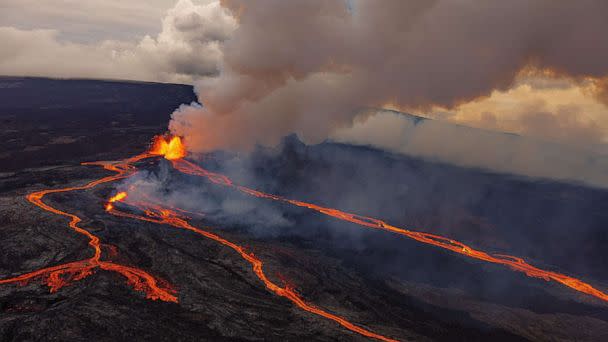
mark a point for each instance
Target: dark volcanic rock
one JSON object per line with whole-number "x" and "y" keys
{"x": 45, "y": 122}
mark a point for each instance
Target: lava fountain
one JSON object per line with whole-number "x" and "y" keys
{"x": 171, "y": 148}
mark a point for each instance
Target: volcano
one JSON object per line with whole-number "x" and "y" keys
{"x": 137, "y": 240}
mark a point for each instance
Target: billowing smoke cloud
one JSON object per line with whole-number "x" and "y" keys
{"x": 187, "y": 47}
{"x": 602, "y": 90}
{"x": 308, "y": 66}
{"x": 161, "y": 187}
{"x": 562, "y": 125}
{"x": 478, "y": 148}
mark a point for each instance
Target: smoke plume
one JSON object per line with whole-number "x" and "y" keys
{"x": 308, "y": 66}
{"x": 477, "y": 148}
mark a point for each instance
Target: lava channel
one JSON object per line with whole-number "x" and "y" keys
{"x": 59, "y": 276}
{"x": 162, "y": 215}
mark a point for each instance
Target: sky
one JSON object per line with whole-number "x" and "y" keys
{"x": 87, "y": 21}
{"x": 147, "y": 40}
{"x": 538, "y": 69}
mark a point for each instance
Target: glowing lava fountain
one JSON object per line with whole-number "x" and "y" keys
{"x": 171, "y": 148}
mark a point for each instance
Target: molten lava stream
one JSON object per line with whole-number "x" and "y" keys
{"x": 157, "y": 214}
{"x": 512, "y": 262}
{"x": 61, "y": 275}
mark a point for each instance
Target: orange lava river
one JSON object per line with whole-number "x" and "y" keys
{"x": 58, "y": 276}
{"x": 157, "y": 214}
{"x": 172, "y": 149}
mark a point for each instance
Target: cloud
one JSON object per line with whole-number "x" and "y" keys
{"x": 564, "y": 125}
{"x": 87, "y": 21}
{"x": 186, "y": 47}
{"x": 552, "y": 109}
{"x": 478, "y": 148}
{"x": 309, "y": 66}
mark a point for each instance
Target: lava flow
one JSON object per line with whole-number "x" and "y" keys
{"x": 157, "y": 214}
{"x": 515, "y": 263}
{"x": 59, "y": 276}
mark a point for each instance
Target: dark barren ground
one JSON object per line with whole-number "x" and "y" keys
{"x": 388, "y": 284}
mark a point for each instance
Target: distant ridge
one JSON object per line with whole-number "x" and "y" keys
{"x": 17, "y": 78}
